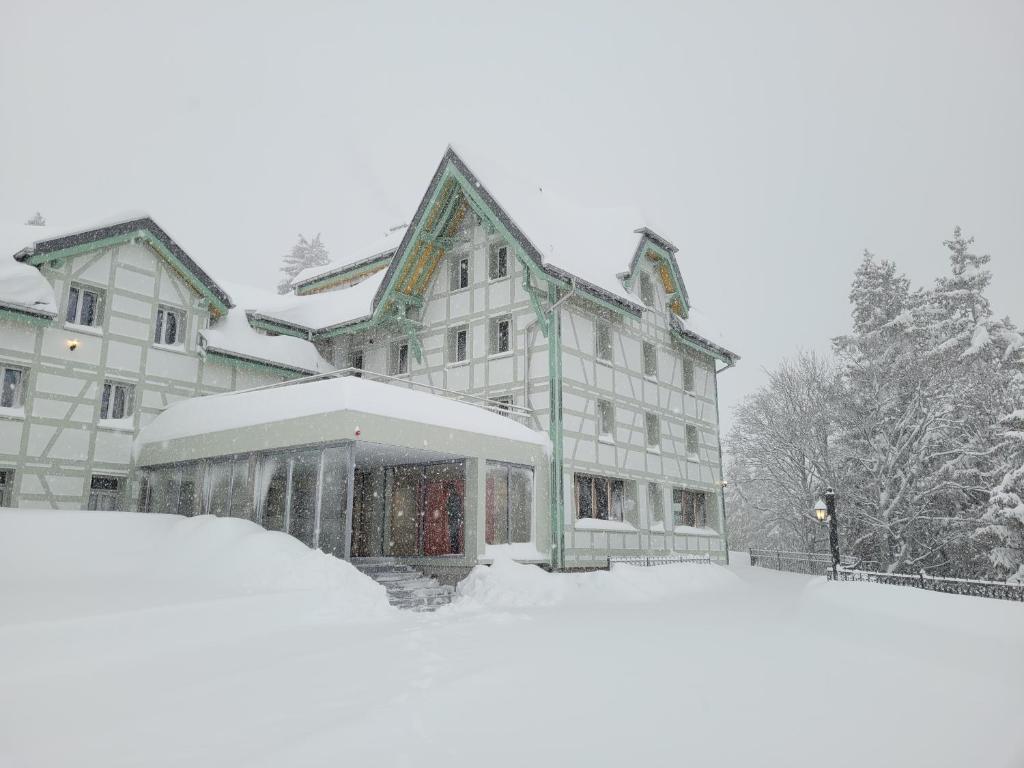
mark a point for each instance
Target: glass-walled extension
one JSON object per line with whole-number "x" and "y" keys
{"x": 302, "y": 491}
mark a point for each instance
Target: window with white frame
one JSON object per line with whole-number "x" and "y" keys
{"x": 460, "y": 273}
{"x": 655, "y": 505}
{"x": 653, "y": 425}
{"x": 689, "y": 508}
{"x": 646, "y": 289}
{"x": 117, "y": 400}
{"x": 650, "y": 360}
{"x": 6, "y": 487}
{"x": 500, "y": 335}
{"x": 85, "y": 305}
{"x": 104, "y": 493}
{"x": 603, "y": 341}
{"x": 355, "y": 360}
{"x": 600, "y": 498}
{"x": 12, "y": 386}
{"x": 170, "y": 326}
{"x": 458, "y": 344}
{"x": 605, "y": 419}
{"x": 692, "y": 443}
{"x": 688, "y": 374}
{"x": 399, "y": 358}
{"x": 498, "y": 262}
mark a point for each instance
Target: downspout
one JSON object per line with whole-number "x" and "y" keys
{"x": 721, "y": 466}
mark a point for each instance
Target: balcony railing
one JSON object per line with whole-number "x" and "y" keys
{"x": 517, "y": 413}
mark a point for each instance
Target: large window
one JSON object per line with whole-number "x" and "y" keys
{"x": 500, "y": 335}
{"x": 509, "y": 503}
{"x": 600, "y": 498}
{"x": 689, "y": 508}
{"x": 603, "y": 341}
{"x": 425, "y": 510}
{"x": 399, "y": 363}
{"x": 104, "y": 492}
{"x": 458, "y": 344}
{"x": 6, "y": 487}
{"x": 650, "y": 360}
{"x": 655, "y": 506}
{"x": 653, "y": 427}
{"x": 12, "y": 386}
{"x": 170, "y": 327}
{"x": 498, "y": 262}
{"x": 692, "y": 443}
{"x": 117, "y": 400}
{"x": 460, "y": 273}
{"x": 85, "y": 305}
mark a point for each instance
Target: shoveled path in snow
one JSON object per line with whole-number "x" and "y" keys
{"x": 762, "y": 669}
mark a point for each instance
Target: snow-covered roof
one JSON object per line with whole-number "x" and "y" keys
{"x": 698, "y": 327}
{"x": 201, "y": 417}
{"x": 23, "y": 288}
{"x": 234, "y": 336}
{"x": 383, "y": 246}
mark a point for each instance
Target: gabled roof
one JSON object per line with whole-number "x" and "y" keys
{"x": 81, "y": 241}
{"x": 697, "y": 329}
{"x": 363, "y": 260}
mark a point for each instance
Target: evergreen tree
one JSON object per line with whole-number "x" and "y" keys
{"x": 304, "y": 254}
{"x": 37, "y": 220}
{"x": 1003, "y": 530}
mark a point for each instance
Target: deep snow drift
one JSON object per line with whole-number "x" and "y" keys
{"x": 132, "y": 640}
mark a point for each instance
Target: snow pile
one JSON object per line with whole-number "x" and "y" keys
{"x": 508, "y": 584}
{"x": 24, "y": 286}
{"x": 88, "y": 563}
{"x": 330, "y": 308}
{"x": 235, "y": 336}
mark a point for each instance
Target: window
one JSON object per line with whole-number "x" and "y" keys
{"x": 500, "y": 335}
{"x": 458, "y": 345}
{"x": 170, "y": 327}
{"x": 599, "y": 498}
{"x": 355, "y": 360}
{"x": 646, "y": 289}
{"x": 12, "y": 386}
{"x": 605, "y": 419}
{"x": 650, "y": 359}
{"x": 118, "y": 400}
{"x": 688, "y": 374}
{"x": 689, "y": 508}
{"x": 499, "y": 262}
{"x": 509, "y": 503}
{"x": 85, "y": 305}
{"x": 104, "y": 492}
{"x": 692, "y": 443}
{"x": 503, "y": 404}
{"x": 655, "y": 506}
{"x": 399, "y": 358}
{"x": 653, "y": 430}
{"x": 603, "y": 341}
{"x": 6, "y": 487}
{"x": 460, "y": 273}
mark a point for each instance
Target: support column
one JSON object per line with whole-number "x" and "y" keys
{"x": 349, "y": 491}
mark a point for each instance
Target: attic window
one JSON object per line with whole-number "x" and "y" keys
{"x": 646, "y": 289}
{"x": 499, "y": 262}
{"x": 460, "y": 273}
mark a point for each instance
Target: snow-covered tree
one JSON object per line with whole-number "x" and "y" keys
{"x": 37, "y": 220}
{"x": 305, "y": 253}
{"x": 1003, "y": 528}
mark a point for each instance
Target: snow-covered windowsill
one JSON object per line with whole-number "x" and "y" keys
{"x": 524, "y": 553}
{"x": 176, "y": 348}
{"x": 459, "y": 364}
{"x": 654, "y": 449}
{"x": 93, "y": 330}
{"x": 127, "y": 424}
{"x": 606, "y": 439}
{"x": 689, "y": 530}
{"x": 499, "y": 355}
{"x": 592, "y": 524}
{"x": 12, "y": 413}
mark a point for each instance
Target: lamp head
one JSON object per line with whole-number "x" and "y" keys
{"x": 820, "y": 511}
{"x": 72, "y": 344}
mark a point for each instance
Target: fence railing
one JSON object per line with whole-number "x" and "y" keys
{"x": 812, "y": 563}
{"x": 649, "y": 560}
{"x": 999, "y": 590}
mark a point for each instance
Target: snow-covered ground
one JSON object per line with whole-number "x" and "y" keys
{"x": 131, "y": 640}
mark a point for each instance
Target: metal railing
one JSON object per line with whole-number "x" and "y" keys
{"x": 999, "y": 590}
{"x": 812, "y": 563}
{"x": 518, "y": 413}
{"x": 649, "y": 560}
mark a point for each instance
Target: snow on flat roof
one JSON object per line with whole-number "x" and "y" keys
{"x": 382, "y": 245}
{"x": 327, "y": 309}
{"x": 199, "y": 416}
{"x": 24, "y": 287}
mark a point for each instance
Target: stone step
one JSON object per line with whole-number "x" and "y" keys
{"x": 407, "y": 587}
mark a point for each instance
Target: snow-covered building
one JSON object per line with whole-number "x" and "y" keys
{"x": 100, "y": 329}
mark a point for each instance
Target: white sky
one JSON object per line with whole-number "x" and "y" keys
{"x": 775, "y": 141}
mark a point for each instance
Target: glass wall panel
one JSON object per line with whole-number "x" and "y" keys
{"x": 241, "y": 488}
{"x": 367, "y": 515}
{"x": 403, "y": 511}
{"x": 218, "y": 479}
{"x": 520, "y": 506}
{"x": 302, "y": 506}
{"x": 274, "y": 490}
{"x": 334, "y": 499}
{"x": 443, "y": 509}
{"x": 497, "y": 504}
{"x": 164, "y": 490}
{"x": 190, "y": 488}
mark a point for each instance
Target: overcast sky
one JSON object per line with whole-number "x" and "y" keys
{"x": 774, "y": 141}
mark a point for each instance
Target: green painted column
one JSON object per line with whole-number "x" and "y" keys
{"x": 555, "y": 433}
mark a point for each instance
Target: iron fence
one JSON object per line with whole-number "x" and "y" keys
{"x": 649, "y": 560}
{"x": 812, "y": 563}
{"x": 999, "y": 590}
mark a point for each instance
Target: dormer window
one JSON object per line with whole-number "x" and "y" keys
{"x": 646, "y": 289}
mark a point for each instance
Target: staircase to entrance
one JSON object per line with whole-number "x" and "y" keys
{"x": 407, "y": 587}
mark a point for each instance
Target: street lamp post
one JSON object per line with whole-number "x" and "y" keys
{"x": 826, "y": 510}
